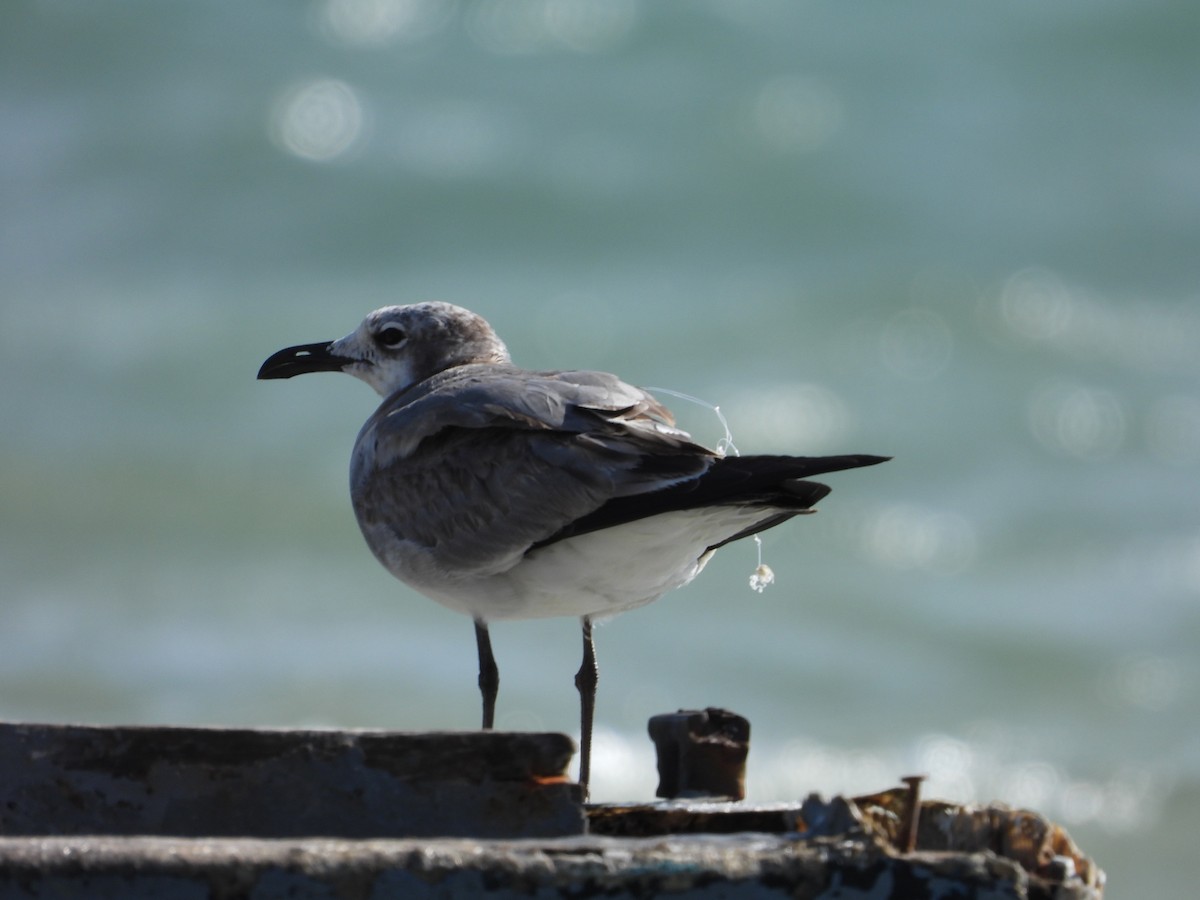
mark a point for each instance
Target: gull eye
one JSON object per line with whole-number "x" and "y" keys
{"x": 391, "y": 337}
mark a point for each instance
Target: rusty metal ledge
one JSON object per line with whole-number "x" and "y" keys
{"x": 726, "y": 866}
{"x": 231, "y": 782}
{"x": 172, "y": 813}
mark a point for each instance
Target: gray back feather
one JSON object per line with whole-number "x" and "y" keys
{"x": 480, "y": 462}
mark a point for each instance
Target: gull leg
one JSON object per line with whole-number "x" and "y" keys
{"x": 489, "y": 675}
{"x": 585, "y": 680}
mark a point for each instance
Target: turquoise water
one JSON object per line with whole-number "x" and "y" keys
{"x": 965, "y": 237}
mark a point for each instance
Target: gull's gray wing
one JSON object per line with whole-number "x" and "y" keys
{"x": 479, "y": 463}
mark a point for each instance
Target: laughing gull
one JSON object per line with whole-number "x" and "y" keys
{"x": 504, "y": 493}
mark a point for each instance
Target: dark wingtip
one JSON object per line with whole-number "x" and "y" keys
{"x": 820, "y": 465}
{"x": 870, "y": 460}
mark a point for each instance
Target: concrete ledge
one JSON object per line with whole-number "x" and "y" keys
{"x": 219, "y": 813}
{"x": 730, "y": 867}
{"x": 67, "y": 779}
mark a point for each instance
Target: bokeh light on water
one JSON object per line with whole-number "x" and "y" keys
{"x": 1077, "y": 420}
{"x": 795, "y": 113}
{"x": 318, "y": 120}
{"x": 905, "y": 536}
{"x": 777, "y": 417}
{"x": 517, "y": 27}
{"x": 917, "y": 344}
{"x": 375, "y": 23}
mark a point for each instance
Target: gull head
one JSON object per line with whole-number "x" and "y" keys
{"x": 396, "y": 347}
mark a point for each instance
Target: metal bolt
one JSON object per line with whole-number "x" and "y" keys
{"x": 701, "y": 753}
{"x": 912, "y": 812}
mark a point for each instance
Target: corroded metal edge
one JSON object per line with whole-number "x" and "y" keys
{"x": 745, "y": 865}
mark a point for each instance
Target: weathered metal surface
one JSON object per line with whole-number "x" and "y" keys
{"x": 1050, "y": 863}
{"x": 57, "y": 779}
{"x": 1042, "y": 848}
{"x": 691, "y": 817}
{"x": 701, "y": 753}
{"x": 186, "y": 813}
{"x": 696, "y": 866}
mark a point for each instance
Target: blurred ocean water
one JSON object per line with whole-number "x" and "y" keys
{"x": 965, "y": 237}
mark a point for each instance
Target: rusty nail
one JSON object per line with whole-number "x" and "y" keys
{"x": 912, "y": 812}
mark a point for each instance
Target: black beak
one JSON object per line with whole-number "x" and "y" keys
{"x": 298, "y": 360}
